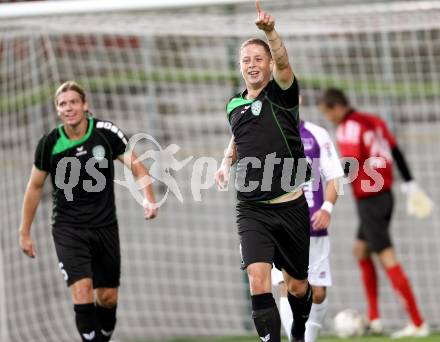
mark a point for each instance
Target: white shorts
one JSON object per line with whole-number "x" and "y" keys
{"x": 319, "y": 263}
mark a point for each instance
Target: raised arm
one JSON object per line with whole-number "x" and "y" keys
{"x": 143, "y": 178}
{"x": 32, "y": 197}
{"x": 282, "y": 72}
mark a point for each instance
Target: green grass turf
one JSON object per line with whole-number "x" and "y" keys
{"x": 432, "y": 338}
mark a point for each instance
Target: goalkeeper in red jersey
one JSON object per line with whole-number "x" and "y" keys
{"x": 366, "y": 138}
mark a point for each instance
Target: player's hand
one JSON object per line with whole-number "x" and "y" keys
{"x": 418, "y": 204}
{"x": 222, "y": 176}
{"x": 27, "y": 245}
{"x": 264, "y": 21}
{"x": 321, "y": 219}
{"x": 150, "y": 210}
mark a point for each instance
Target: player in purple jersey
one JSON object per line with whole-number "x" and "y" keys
{"x": 322, "y": 155}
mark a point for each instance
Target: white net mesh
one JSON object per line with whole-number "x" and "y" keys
{"x": 169, "y": 74}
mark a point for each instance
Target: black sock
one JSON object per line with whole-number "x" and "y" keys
{"x": 266, "y": 317}
{"x": 301, "y": 310}
{"x": 86, "y": 322}
{"x": 107, "y": 321}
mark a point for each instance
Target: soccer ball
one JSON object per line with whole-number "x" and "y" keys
{"x": 349, "y": 323}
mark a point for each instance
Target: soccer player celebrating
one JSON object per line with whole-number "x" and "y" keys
{"x": 366, "y": 138}
{"x": 85, "y": 228}
{"x": 272, "y": 216}
{"x": 322, "y": 155}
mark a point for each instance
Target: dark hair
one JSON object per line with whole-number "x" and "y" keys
{"x": 333, "y": 97}
{"x": 256, "y": 41}
{"x": 70, "y": 85}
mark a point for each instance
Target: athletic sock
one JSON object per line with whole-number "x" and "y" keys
{"x": 301, "y": 310}
{"x": 266, "y": 317}
{"x": 315, "y": 321}
{"x": 87, "y": 322}
{"x": 402, "y": 285}
{"x": 286, "y": 315}
{"x": 369, "y": 279}
{"x": 107, "y": 321}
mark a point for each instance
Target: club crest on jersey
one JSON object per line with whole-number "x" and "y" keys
{"x": 256, "y": 107}
{"x": 98, "y": 152}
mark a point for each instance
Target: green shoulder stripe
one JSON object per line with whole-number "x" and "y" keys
{"x": 237, "y": 102}
{"x": 64, "y": 143}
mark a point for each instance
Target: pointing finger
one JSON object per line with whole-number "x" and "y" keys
{"x": 257, "y": 5}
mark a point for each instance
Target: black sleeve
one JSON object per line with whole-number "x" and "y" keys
{"x": 289, "y": 98}
{"x": 118, "y": 141}
{"x": 42, "y": 155}
{"x": 401, "y": 164}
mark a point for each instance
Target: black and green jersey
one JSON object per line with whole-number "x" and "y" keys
{"x": 82, "y": 173}
{"x": 270, "y": 153}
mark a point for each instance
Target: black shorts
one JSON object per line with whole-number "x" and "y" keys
{"x": 89, "y": 253}
{"x": 375, "y": 216}
{"x": 275, "y": 233}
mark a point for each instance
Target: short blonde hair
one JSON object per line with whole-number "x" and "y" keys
{"x": 70, "y": 85}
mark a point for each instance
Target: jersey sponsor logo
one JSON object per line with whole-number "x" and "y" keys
{"x": 256, "y": 107}
{"x": 112, "y": 128}
{"x": 244, "y": 109}
{"x": 98, "y": 152}
{"x": 80, "y": 151}
{"x": 308, "y": 143}
{"x": 236, "y": 116}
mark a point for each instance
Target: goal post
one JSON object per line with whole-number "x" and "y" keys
{"x": 166, "y": 69}
{"x": 4, "y": 335}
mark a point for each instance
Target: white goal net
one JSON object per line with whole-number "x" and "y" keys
{"x": 168, "y": 72}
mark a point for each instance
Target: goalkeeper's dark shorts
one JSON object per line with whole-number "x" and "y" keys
{"x": 375, "y": 216}
{"x": 89, "y": 253}
{"x": 275, "y": 234}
